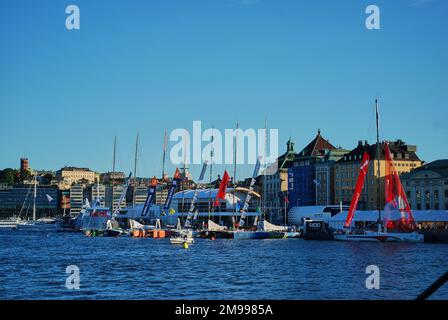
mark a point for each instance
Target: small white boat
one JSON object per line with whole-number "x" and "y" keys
{"x": 181, "y": 240}
{"x": 8, "y": 224}
{"x": 42, "y": 224}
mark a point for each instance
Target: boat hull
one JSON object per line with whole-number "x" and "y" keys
{"x": 381, "y": 237}
{"x": 8, "y": 226}
{"x": 215, "y": 234}
{"x": 37, "y": 227}
{"x": 249, "y": 235}
{"x": 292, "y": 234}
{"x": 181, "y": 240}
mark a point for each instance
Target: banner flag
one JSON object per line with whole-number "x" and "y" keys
{"x": 176, "y": 181}
{"x": 222, "y": 189}
{"x": 150, "y": 197}
{"x": 358, "y": 189}
{"x": 251, "y": 188}
{"x": 123, "y": 194}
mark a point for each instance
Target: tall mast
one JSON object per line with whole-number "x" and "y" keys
{"x": 135, "y": 169}
{"x": 212, "y": 153}
{"x": 35, "y": 194}
{"x": 378, "y": 163}
{"x": 165, "y": 142}
{"x": 263, "y": 200}
{"x": 113, "y": 161}
{"x": 98, "y": 191}
{"x": 182, "y": 184}
{"x": 235, "y": 144}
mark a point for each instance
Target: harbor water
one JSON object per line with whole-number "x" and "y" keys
{"x": 33, "y": 266}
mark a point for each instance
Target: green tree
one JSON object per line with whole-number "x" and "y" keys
{"x": 8, "y": 176}
{"x": 24, "y": 175}
{"x": 48, "y": 177}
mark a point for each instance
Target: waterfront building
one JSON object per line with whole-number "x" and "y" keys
{"x": 113, "y": 194}
{"x": 45, "y": 177}
{"x": 302, "y": 174}
{"x": 115, "y": 177}
{"x": 137, "y": 194}
{"x": 222, "y": 214}
{"x": 427, "y": 186}
{"x": 324, "y": 180}
{"x": 4, "y": 186}
{"x": 347, "y": 168}
{"x": 97, "y": 191}
{"x": 73, "y": 175}
{"x": 19, "y": 200}
{"x": 161, "y": 193}
{"x": 76, "y": 199}
{"x": 275, "y": 186}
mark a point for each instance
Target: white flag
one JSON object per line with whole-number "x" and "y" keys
{"x": 49, "y": 198}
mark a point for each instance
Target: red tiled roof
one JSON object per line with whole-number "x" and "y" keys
{"x": 316, "y": 147}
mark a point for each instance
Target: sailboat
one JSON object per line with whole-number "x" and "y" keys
{"x": 42, "y": 224}
{"x": 397, "y": 224}
{"x": 181, "y": 235}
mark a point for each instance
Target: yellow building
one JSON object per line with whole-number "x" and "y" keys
{"x": 347, "y": 168}
{"x": 71, "y": 175}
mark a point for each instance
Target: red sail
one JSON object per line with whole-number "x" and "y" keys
{"x": 396, "y": 198}
{"x": 222, "y": 189}
{"x": 358, "y": 189}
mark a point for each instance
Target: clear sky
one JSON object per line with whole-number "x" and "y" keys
{"x": 149, "y": 65}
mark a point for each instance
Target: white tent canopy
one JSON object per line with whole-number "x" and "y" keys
{"x": 212, "y": 226}
{"x": 266, "y": 226}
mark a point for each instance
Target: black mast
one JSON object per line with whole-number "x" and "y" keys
{"x": 378, "y": 154}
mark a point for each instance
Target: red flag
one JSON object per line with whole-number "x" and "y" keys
{"x": 177, "y": 174}
{"x": 395, "y": 194}
{"x": 358, "y": 189}
{"x": 153, "y": 182}
{"x": 222, "y": 189}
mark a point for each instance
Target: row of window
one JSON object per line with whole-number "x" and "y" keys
{"x": 426, "y": 183}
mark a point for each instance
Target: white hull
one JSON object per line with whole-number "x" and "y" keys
{"x": 371, "y": 236}
{"x": 8, "y": 226}
{"x": 37, "y": 226}
{"x": 181, "y": 240}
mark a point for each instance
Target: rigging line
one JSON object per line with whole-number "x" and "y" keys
{"x": 433, "y": 287}
{"x": 370, "y": 131}
{"x": 24, "y": 201}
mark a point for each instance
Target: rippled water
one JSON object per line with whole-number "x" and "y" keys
{"x": 33, "y": 267}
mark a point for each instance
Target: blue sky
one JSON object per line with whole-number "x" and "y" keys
{"x": 149, "y": 65}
